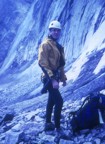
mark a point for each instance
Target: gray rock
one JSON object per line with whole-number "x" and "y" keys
{"x": 12, "y": 137}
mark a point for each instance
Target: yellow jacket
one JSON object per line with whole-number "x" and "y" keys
{"x": 49, "y": 58}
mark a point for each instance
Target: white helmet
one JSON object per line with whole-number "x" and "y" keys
{"x": 55, "y": 24}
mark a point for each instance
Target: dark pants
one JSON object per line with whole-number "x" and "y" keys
{"x": 54, "y": 100}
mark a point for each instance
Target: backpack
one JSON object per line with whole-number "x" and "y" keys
{"x": 88, "y": 115}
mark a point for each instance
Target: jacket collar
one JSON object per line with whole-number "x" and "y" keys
{"x": 56, "y": 43}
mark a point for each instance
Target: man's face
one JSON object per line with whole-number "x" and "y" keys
{"x": 55, "y": 33}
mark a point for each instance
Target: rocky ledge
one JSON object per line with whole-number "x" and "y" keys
{"x": 27, "y": 128}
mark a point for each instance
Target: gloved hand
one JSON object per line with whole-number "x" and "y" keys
{"x": 55, "y": 84}
{"x": 64, "y": 83}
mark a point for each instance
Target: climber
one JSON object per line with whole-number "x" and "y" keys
{"x": 51, "y": 60}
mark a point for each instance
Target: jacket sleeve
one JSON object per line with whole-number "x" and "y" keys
{"x": 43, "y": 58}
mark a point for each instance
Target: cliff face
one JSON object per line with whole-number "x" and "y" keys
{"x": 24, "y": 24}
